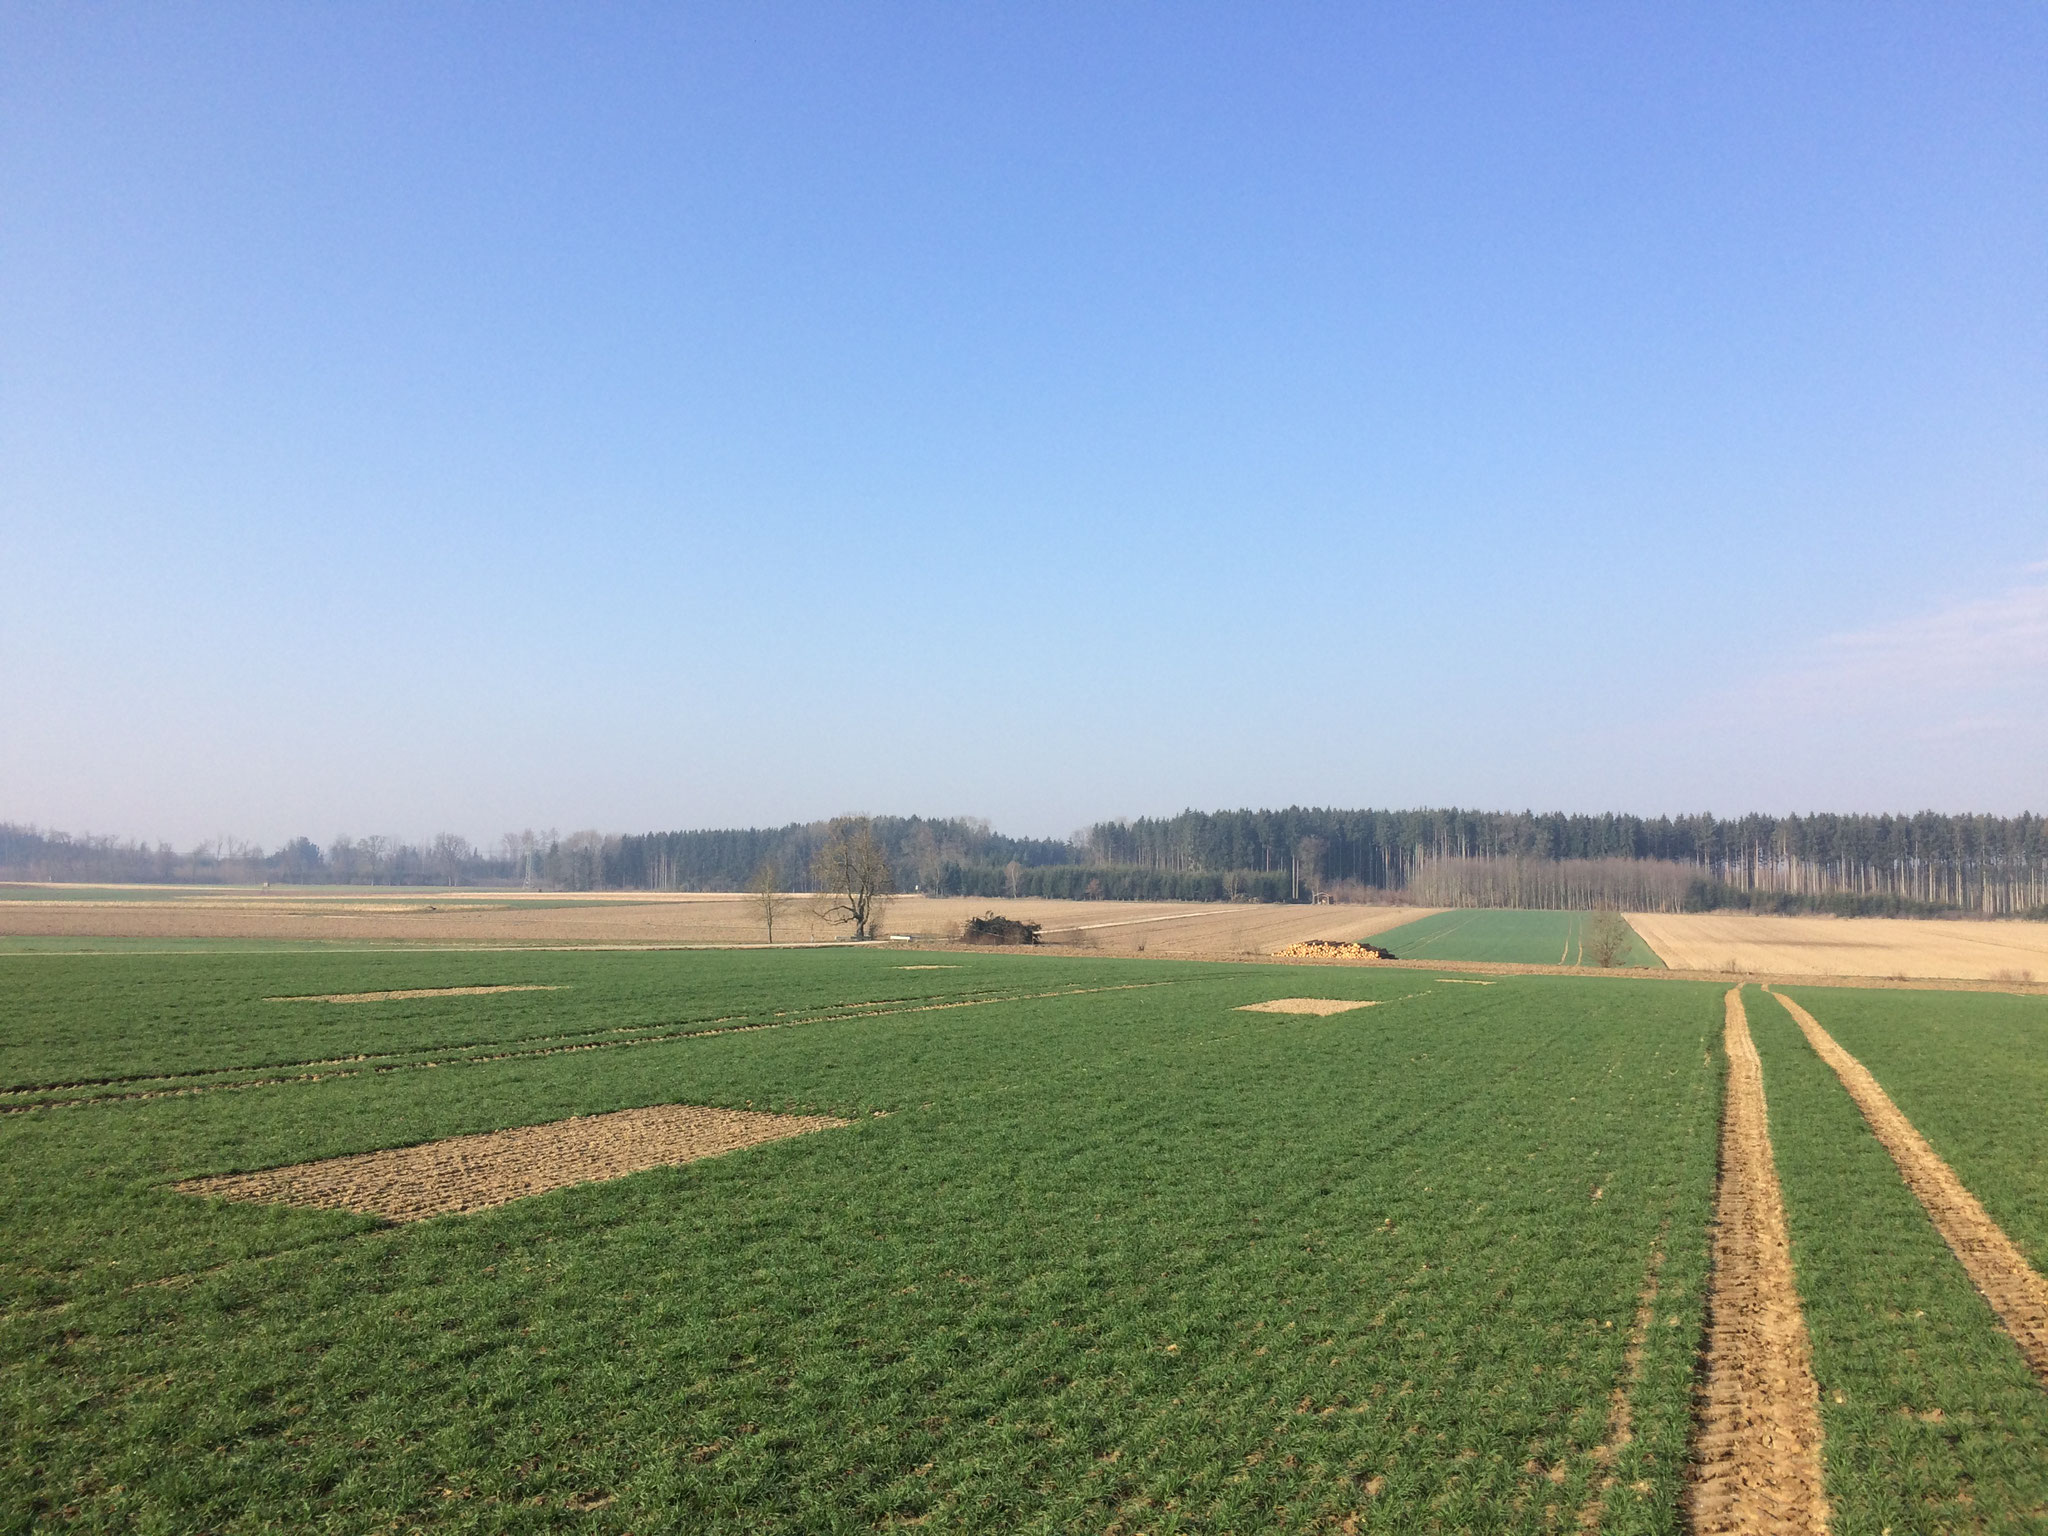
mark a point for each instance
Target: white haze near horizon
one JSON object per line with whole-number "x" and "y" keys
{"x": 1840, "y": 717}
{"x": 634, "y": 420}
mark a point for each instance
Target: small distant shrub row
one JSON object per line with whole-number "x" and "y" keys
{"x": 1718, "y": 896}
{"x": 1112, "y": 882}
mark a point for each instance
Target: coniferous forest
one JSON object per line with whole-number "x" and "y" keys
{"x": 1925, "y": 864}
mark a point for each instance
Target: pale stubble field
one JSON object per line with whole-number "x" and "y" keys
{"x": 1957, "y": 950}
{"x": 359, "y": 915}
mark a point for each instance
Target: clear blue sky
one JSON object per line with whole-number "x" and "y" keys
{"x": 472, "y": 417}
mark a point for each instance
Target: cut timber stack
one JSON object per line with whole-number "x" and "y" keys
{"x": 1331, "y": 949}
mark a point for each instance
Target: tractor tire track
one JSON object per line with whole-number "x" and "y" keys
{"x": 2015, "y": 1289}
{"x": 1756, "y": 1459}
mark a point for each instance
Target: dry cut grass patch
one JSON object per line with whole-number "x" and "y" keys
{"x": 1320, "y": 1005}
{"x": 472, "y": 1173}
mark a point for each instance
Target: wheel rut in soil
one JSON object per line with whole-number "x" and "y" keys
{"x": 2014, "y": 1288}
{"x": 1757, "y": 1446}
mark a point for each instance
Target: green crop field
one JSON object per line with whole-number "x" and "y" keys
{"x": 1512, "y": 937}
{"x": 1932, "y": 1420}
{"x": 1100, "y": 1251}
{"x": 1970, "y": 1070}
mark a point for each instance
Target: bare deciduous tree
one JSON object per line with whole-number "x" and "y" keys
{"x": 1013, "y": 872}
{"x": 767, "y": 896}
{"x": 1606, "y": 937}
{"x": 852, "y": 876}
{"x": 1309, "y": 865}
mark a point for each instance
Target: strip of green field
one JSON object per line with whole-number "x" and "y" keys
{"x": 1970, "y": 1070}
{"x": 1933, "y": 1422}
{"x": 1120, "y": 1255}
{"x": 1508, "y": 937}
{"x": 165, "y": 1021}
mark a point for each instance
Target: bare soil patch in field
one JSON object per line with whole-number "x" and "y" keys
{"x": 1847, "y": 946}
{"x": 655, "y": 919}
{"x": 386, "y": 997}
{"x": 2001, "y": 1273}
{"x": 1317, "y": 1005}
{"x": 1757, "y": 1461}
{"x": 473, "y": 1173}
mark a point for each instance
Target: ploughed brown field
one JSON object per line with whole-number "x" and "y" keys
{"x": 1957, "y": 950}
{"x": 386, "y": 915}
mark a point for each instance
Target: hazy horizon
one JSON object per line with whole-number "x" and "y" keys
{"x": 420, "y": 419}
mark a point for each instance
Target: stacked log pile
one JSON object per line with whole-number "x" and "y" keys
{"x": 1332, "y": 949}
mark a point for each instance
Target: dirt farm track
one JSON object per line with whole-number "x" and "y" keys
{"x": 1879, "y": 948}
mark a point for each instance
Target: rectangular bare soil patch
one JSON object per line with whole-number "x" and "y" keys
{"x": 472, "y": 1173}
{"x": 1306, "y": 1005}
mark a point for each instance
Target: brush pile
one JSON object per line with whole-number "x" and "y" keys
{"x": 1332, "y": 949}
{"x": 990, "y": 928}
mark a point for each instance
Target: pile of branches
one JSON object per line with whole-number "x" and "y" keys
{"x": 1333, "y": 949}
{"x": 991, "y": 928}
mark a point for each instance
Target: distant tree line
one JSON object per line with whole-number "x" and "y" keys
{"x": 1907, "y": 865}
{"x": 1991, "y": 864}
{"x": 524, "y": 858}
{"x": 945, "y": 856}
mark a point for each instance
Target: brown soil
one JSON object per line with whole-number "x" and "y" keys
{"x": 1320, "y": 1005}
{"x": 472, "y": 1173}
{"x": 1756, "y": 1460}
{"x": 385, "y": 997}
{"x": 2015, "y": 1289}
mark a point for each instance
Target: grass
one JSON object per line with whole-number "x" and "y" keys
{"x": 1933, "y": 1422}
{"x": 1970, "y": 1070}
{"x": 1512, "y": 937}
{"x": 1123, "y": 1257}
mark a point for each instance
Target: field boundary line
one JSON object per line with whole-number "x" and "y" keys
{"x": 459, "y": 1060}
{"x": 1756, "y": 1454}
{"x": 412, "y": 992}
{"x": 2015, "y": 1290}
{"x": 715, "y": 1024}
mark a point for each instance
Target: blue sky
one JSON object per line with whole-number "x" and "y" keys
{"x": 474, "y": 417}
